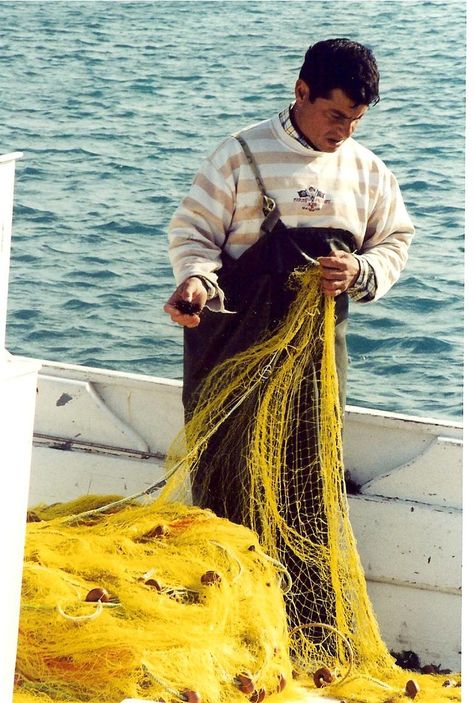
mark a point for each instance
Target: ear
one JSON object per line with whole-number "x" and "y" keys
{"x": 301, "y": 91}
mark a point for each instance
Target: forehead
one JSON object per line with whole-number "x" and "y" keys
{"x": 338, "y": 101}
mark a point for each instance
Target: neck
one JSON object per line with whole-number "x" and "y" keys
{"x": 294, "y": 122}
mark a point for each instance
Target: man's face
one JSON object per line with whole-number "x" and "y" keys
{"x": 326, "y": 122}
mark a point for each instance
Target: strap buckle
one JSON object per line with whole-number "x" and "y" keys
{"x": 268, "y": 204}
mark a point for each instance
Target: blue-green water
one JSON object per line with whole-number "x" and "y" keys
{"x": 114, "y": 105}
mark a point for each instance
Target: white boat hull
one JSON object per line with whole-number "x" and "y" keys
{"x": 100, "y": 431}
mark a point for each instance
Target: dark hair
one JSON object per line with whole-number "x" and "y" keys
{"x": 344, "y": 64}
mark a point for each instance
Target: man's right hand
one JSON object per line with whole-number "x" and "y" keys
{"x": 191, "y": 291}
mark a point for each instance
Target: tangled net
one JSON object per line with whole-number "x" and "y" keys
{"x": 197, "y": 607}
{"x": 180, "y": 602}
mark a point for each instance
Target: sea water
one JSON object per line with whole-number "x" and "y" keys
{"x": 115, "y": 104}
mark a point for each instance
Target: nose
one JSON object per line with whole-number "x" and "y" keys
{"x": 346, "y": 128}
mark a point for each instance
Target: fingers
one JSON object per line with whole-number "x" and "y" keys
{"x": 334, "y": 279}
{"x": 338, "y": 271}
{"x": 186, "y": 303}
{"x": 180, "y": 318}
{"x": 336, "y": 260}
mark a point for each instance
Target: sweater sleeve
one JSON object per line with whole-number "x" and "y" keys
{"x": 388, "y": 237}
{"x": 364, "y": 287}
{"x": 198, "y": 228}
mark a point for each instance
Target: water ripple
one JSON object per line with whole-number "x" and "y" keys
{"x": 116, "y": 104}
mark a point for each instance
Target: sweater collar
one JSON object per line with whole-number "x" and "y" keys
{"x": 290, "y": 128}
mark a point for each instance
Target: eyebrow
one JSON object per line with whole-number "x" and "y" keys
{"x": 347, "y": 117}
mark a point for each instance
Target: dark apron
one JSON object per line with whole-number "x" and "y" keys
{"x": 255, "y": 286}
{"x": 256, "y": 291}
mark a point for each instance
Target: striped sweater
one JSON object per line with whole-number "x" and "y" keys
{"x": 350, "y": 189}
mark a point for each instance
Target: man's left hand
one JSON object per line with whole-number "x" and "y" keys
{"x": 339, "y": 270}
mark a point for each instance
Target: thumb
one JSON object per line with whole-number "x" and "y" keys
{"x": 187, "y": 290}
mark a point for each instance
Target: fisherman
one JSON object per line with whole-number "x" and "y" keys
{"x": 293, "y": 189}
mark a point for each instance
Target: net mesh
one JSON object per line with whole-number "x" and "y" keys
{"x": 191, "y": 603}
{"x": 266, "y": 439}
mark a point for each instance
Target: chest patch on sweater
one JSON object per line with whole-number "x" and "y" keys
{"x": 311, "y": 198}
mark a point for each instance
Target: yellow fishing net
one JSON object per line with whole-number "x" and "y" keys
{"x": 197, "y": 608}
{"x": 191, "y": 604}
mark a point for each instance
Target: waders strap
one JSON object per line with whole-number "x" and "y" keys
{"x": 269, "y": 206}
